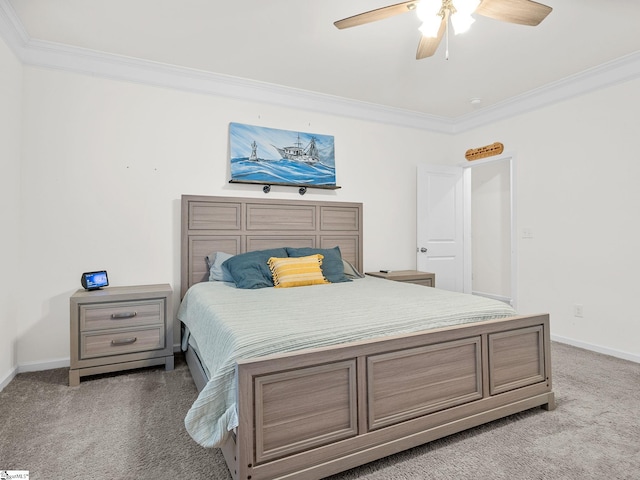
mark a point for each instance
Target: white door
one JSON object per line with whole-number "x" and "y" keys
{"x": 440, "y": 225}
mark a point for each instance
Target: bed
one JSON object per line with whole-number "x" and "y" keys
{"x": 307, "y": 408}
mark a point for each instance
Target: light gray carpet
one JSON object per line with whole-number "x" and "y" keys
{"x": 130, "y": 426}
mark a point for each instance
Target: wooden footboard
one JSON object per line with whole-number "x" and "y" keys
{"x": 317, "y": 412}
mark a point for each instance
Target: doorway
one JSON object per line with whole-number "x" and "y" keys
{"x": 491, "y": 227}
{"x": 478, "y": 212}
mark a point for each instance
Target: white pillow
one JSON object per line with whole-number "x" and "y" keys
{"x": 216, "y": 272}
{"x": 350, "y": 271}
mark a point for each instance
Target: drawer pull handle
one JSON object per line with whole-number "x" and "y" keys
{"x": 120, "y": 316}
{"x": 123, "y": 341}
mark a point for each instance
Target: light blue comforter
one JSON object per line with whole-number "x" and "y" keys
{"x": 230, "y": 324}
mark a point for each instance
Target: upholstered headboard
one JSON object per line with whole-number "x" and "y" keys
{"x": 237, "y": 225}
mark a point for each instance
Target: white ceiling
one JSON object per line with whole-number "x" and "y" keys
{"x": 294, "y": 43}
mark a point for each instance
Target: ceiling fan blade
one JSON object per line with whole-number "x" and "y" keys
{"x": 523, "y": 12}
{"x": 377, "y": 14}
{"x": 428, "y": 45}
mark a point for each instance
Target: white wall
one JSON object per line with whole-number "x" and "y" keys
{"x": 577, "y": 181}
{"x": 491, "y": 229}
{"x": 105, "y": 162}
{"x": 10, "y": 118}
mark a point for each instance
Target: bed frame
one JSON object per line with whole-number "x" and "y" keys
{"x": 314, "y": 413}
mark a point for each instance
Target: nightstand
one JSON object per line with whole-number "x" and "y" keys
{"x": 119, "y": 328}
{"x": 408, "y": 276}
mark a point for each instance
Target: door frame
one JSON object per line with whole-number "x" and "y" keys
{"x": 466, "y": 185}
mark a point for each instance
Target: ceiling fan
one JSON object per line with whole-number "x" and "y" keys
{"x": 435, "y": 15}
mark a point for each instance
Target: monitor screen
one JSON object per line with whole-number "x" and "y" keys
{"x": 93, "y": 280}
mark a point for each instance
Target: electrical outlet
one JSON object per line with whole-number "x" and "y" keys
{"x": 578, "y": 310}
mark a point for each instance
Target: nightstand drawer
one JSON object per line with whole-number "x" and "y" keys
{"x": 122, "y": 341}
{"x": 118, "y": 315}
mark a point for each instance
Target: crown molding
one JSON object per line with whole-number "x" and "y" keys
{"x": 117, "y": 67}
{"x": 11, "y": 28}
{"x": 79, "y": 60}
{"x": 608, "y": 74}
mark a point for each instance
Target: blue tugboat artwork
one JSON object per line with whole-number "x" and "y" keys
{"x": 272, "y": 156}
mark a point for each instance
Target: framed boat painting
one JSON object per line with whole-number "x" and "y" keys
{"x": 271, "y": 156}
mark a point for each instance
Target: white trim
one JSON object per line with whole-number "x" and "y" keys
{"x": 48, "y": 365}
{"x": 117, "y": 67}
{"x": 91, "y": 62}
{"x": 632, "y": 357}
{"x": 467, "y": 256}
{"x": 514, "y": 232}
{"x": 500, "y": 298}
{"x": 11, "y": 28}
{"x": 610, "y": 73}
{"x": 8, "y": 378}
{"x": 60, "y": 363}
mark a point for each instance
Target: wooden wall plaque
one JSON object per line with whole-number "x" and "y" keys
{"x": 495, "y": 148}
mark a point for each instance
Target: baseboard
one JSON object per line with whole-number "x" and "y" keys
{"x": 493, "y": 296}
{"x": 51, "y": 364}
{"x": 5, "y": 381}
{"x": 597, "y": 348}
{"x": 38, "y": 366}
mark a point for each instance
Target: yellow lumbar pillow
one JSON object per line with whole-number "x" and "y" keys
{"x": 296, "y": 272}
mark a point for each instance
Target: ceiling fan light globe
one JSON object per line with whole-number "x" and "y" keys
{"x": 426, "y": 9}
{"x": 461, "y": 23}
{"x": 430, "y": 27}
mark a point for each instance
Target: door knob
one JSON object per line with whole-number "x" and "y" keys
{"x": 423, "y": 250}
